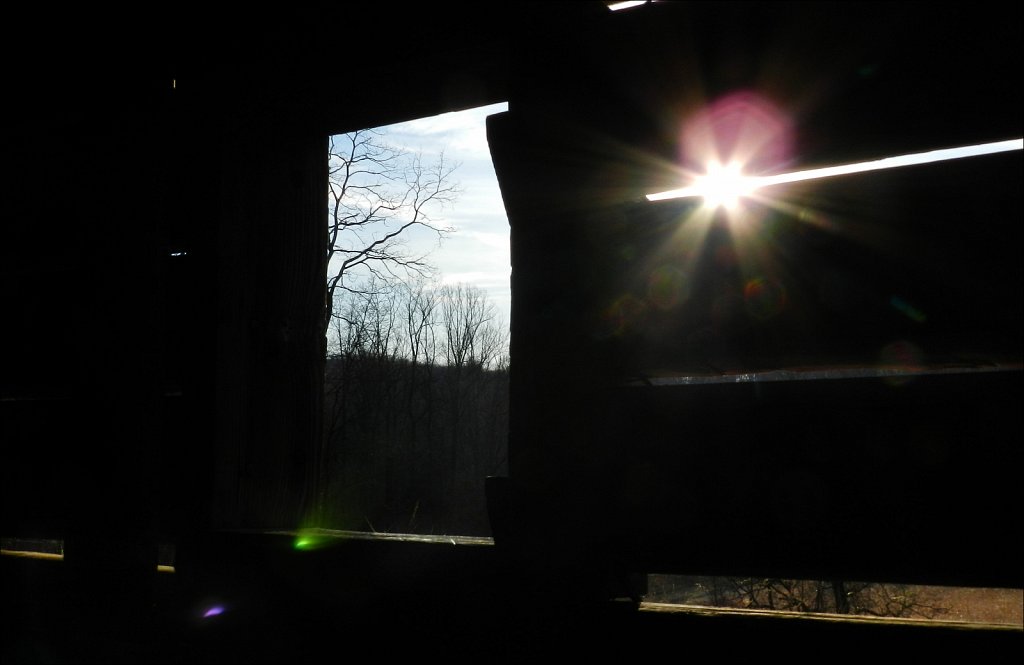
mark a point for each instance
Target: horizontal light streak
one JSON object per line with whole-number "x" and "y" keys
{"x": 751, "y": 183}
{"x": 626, "y": 4}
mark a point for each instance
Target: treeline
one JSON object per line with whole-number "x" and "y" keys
{"x": 416, "y": 409}
{"x": 831, "y": 597}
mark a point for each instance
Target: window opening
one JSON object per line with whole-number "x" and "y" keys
{"x": 416, "y": 382}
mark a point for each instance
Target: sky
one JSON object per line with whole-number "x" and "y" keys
{"x": 477, "y": 252}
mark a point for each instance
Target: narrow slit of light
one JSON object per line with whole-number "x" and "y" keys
{"x": 628, "y": 4}
{"x": 757, "y": 182}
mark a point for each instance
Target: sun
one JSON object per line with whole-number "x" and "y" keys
{"x": 724, "y": 185}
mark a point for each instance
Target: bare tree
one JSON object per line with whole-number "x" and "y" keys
{"x": 417, "y": 399}
{"x": 378, "y": 196}
{"x": 419, "y": 303}
{"x": 469, "y": 321}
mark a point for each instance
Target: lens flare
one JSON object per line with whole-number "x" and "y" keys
{"x": 744, "y": 128}
{"x": 667, "y": 287}
{"x": 213, "y": 611}
{"x": 764, "y": 298}
{"x": 911, "y": 312}
{"x": 742, "y": 132}
{"x": 623, "y": 316}
{"x": 311, "y": 539}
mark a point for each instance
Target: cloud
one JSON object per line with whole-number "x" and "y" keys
{"x": 462, "y": 135}
{"x": 478, "y": 251}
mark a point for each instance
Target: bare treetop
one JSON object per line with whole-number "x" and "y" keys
{"x": 378, "y": 196}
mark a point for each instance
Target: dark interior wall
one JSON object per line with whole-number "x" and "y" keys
{"x": 84, "y": 362}
{"x": 271, "y": 367}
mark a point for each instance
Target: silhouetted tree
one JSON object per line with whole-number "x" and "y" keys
{"x": 467, "y": 317}
{"x": 839, "y": 597}
{"x": 473, "y": 342}
{"x": 417, "y": 392}
{"x": 378, "y": 195}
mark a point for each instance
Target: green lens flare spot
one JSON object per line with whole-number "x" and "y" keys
{"x": 306, "y": 541}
